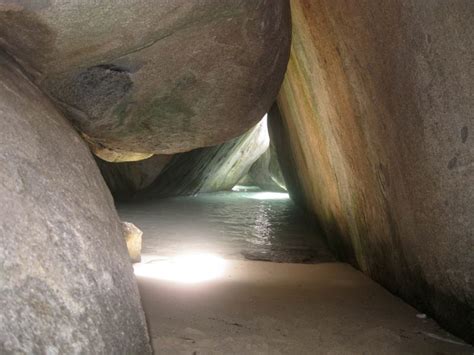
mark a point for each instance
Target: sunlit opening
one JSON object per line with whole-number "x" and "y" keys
{"x": 189, "y": 268}
{"x": 269, "y": 196}
{"x": 242, "y": 188}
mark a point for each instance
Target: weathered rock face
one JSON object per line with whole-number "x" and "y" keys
{"x": 125, "y": 179}
{"x": 211, "y": 169}
{"x": 153, "y": 77}
{"x": 377, "y": 104}
{"x": 266, "y": 173}
{"x": 66, "y": 283}
{"x": 279, "y": 136}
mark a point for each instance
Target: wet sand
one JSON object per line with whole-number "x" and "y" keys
{"x": 275, "y": 308}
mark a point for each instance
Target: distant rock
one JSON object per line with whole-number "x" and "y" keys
{"x": 66, "y": 284}
{"x": 211, "y": 169}
{"x": 125, "y": 179}
{"x": 266, "y": 173}
{"x": 153, "y": 76}
{"x": 133, "y": 238}
{"x": 280, "y": 138}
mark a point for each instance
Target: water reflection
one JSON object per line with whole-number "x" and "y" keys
{"x": 236, "y": 225}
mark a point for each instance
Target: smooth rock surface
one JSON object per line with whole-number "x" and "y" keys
{"x": 153, "y": 77}
{"x": 378, "y": 105}
{"x": 266, "y": 173}
{"x": 125, "y": 179}
{"x": 211, "y": 169}
{"x": 133, "y": 238}
{"x": 280, "y": 137}
{"x": 66, "y": 283}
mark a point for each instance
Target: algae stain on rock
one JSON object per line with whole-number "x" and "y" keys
{"x": 165, "y": 110}
{"x": 94, "y": 90}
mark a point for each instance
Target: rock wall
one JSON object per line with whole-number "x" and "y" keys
{"x": 142, "y": 76}
{"x": 210, "y": 169}
{"x": 127, "y": 178}
{"x": 66, "y": 282}
{"x": 266, "y": 173}
{"x": 280, "y": 136}
{"x": 378, "y": 106}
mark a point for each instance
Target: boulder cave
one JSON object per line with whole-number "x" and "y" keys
{"x": 237, "y": 177}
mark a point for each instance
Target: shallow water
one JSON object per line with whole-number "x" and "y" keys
{"x": 235, "y": 225}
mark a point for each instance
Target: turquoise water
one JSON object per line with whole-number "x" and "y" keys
{"x": 235, "y": 225}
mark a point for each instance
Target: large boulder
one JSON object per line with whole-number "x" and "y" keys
{"x": 378, "y": 105}
{"x": 210, "y": 169}
{"x": 153, "y": 76}
{"x": 66, "y": 283}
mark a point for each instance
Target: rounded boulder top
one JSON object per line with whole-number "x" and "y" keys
{"x": 153, "y": 76}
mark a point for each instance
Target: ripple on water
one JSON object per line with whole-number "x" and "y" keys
{"x": 236, "y": 225}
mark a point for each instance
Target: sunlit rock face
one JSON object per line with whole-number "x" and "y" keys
{"x": 377, "y": 105}
{"x": 266, "y": 173}
{"x": 280, "y": 139}
{"x": 125, "y": 179}
{"x": 210, "y": 169}
{"x": 66, "y": 282}
{"x": 115, "y": 156}
{"x": 153, "y": 76}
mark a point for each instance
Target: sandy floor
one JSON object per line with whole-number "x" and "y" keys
{"x": 269, "y": 308}
{"x": 256, "y": 307}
